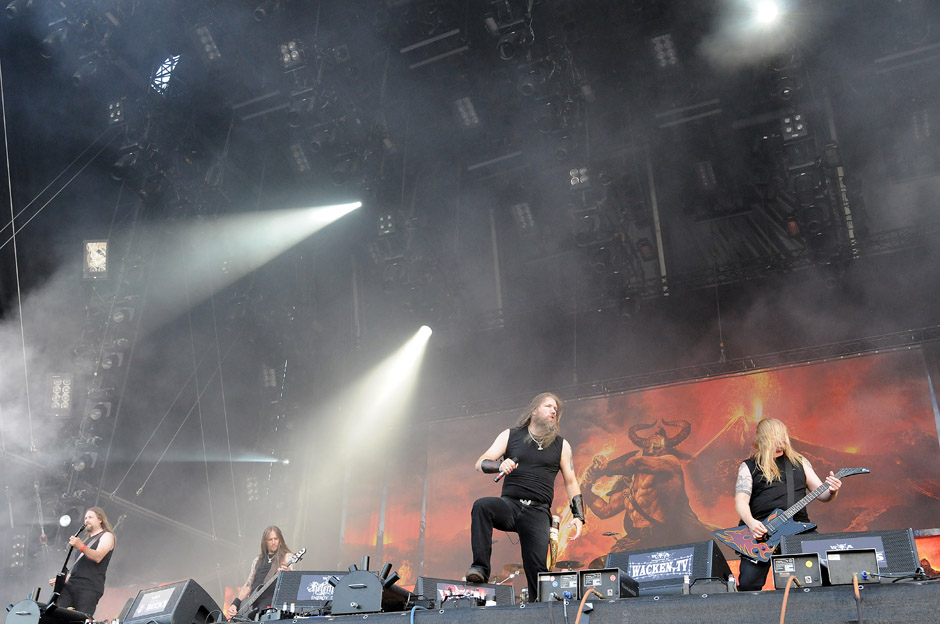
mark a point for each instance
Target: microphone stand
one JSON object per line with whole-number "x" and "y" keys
{"x": 60, "y": 577}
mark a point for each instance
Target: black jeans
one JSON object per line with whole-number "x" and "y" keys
{"x": 530, "y": 522}
{"x": 80, "y": 599}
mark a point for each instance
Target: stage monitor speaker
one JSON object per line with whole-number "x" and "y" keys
{"x": 844, "y": 564}
{"x": 897, "y": 553}
{"x": 304, "y": 592}
{"x": 183, "y": 602}
{"x": 804, "y": 566}
{"x": 442, "y": 591}
{"x": 610, "y": 583}
{"x": 663, "y": 570}
{"x": 563, "y": 584}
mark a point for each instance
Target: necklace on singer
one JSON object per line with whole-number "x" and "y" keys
{"x": 537, "y": 443}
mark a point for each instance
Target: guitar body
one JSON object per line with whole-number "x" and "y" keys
{"x": 741, "y": 540}
{"x": 779, "y": 524}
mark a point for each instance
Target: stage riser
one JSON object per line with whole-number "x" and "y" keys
{"x": 898, "y": 603}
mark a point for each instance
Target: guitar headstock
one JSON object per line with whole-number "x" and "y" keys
{"x": 297, "y": 556}
{"x": 848, "y": 472}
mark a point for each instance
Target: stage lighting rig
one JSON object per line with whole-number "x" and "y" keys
{"x": 54, "y": 40}
{"x": 160, "y": 81}
{"x": 264, "y": 9}
{"x": 293, "y": 56}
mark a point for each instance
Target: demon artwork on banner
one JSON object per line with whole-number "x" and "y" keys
{"x": 657, "y": 467}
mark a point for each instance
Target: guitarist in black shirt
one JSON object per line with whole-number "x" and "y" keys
{"x": 762, "y": 487}
{"x": 275, "y": 556}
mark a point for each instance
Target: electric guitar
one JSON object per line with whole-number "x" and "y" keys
{"x": 247, "y": 608}
{"x": 779, "y": 524}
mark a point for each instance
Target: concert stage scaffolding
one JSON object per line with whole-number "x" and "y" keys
{"x": 880, "y": 603}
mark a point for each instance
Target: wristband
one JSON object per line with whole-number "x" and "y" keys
{"x": 577, "y": 508}
{"x": 490, "y": 466}
{"x": 237, "y": 603}
{"x": 82, "y": 548}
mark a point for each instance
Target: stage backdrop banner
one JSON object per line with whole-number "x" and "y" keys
{"x": 658, "y": 467}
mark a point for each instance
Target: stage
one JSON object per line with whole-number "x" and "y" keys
{"x": 889, "y": 603}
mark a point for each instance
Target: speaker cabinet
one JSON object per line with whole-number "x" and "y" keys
{"x": 663, "y": 570}
{"x": 183, "y": 602}
{"x": 895, "y": 549}
{"x": 304, "y": 592}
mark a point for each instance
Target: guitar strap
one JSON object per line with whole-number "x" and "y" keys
{"x": 791, "y": 489}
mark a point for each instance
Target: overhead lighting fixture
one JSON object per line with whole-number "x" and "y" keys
{"x": 85, "y": 71}
{"x": 60, "y": 400}
{"x": 299, "y": 158}
{"x": 292, "y": 55}
{"x": 766, "y": 12}
{"x": 18, "y": 7}
{"x": 467, "y": 112}
{"x": 264, "y": 9}
{"x": 95, "y": 259}
{"x": 116, "y": 112}
{"x": 161, "y": 76}
{"x": 794, "y": 127}
{"x": 51, "y": 43}
{"x": 386, "y": 225}
{"x": 522, "y": 216}
{"x": 705, "y": 174}
{"x": 664, "y": 49}
{"x": 580, "y": 178}
{"x": 100, "y": 410}
{"x": 206, "y": 44}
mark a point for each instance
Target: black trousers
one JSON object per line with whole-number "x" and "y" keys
{"x": 80, "y": 599}
{"x": 532, "y": 523}
{"x": 752, "y": 576}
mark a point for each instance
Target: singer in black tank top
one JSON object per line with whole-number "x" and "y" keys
{"x": 529, "y": 456}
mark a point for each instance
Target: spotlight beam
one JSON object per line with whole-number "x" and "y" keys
{"x": 205, "y": 257}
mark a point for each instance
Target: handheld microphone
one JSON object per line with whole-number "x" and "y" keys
{"x": 503, "y": 474}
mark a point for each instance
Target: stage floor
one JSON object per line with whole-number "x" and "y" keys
{"x": 902, "y": 602}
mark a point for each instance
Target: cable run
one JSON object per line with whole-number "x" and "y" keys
{"x": 16, "y": 264}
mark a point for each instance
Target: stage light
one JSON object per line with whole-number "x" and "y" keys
{"x": 60, "y": 401}
{"x": 18, "y": 7}
{"x": 664, "y": 49}
{"x": 65, "y": 520}
{"x": 522, "y": 216}
{"x": 292, "y": 55}
{"x": 766, "y": 12}
{"x": 299, "y": 158}
{"x": 51, "y": 43}
{"x": 100, "y": 410}
{"x": 580, "y": 178}
{"x": 264, "y": 9}
{"x": 124, "y": 165}
{"x": 94, "y": 259}
{"x": 84, "y": 72}
{"x": 85, "y": 461}
{"x": 705, "y": 174}
{"x": 206, "y": 44}
{"x": 386, "y": 225}
{"x": 794, "y": 127}
{"x": 466, "y": 112}
{"x": 113, "y": 359}
{"x": 507, "y": 45}
{"x": 116, "y": 112}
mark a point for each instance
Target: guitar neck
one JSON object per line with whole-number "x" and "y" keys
{"x": 803, "y": 502}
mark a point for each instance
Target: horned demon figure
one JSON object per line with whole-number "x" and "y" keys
{"x": 649, "y": 489}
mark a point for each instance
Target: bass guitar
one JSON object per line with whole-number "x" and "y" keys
{"x": 779, "y": 524}
{"x": 248, "y": 608}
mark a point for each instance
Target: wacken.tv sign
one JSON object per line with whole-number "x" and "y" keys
{"x": 661, "y": 565}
